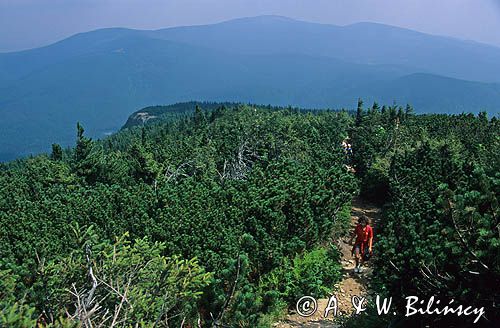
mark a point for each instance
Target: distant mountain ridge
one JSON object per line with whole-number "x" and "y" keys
{"x": 365, "y": 43}
{"x": 100, "y": 77}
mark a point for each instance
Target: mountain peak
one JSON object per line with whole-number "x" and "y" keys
{"x": 264, "y": 18}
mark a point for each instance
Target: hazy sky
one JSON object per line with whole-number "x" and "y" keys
{"x": 32, "y": 23}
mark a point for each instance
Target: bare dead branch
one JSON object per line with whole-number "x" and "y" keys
{"x": 462, "y": 239}
{"x": 230, "y": 297}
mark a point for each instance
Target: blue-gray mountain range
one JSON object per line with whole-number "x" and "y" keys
{"x": 100, "y": 77}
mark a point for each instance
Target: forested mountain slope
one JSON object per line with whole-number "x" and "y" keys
{"x": 100, "y": 77}
{"x": 228, "y": 214}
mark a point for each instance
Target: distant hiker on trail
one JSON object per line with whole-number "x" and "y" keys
{"x": 346, "y": 146}
{"x": 363, "y": 244}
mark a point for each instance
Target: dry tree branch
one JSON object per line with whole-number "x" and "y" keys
{"x": 462, "y": 239}
{"x": 90, "y": 295}
{"x": 120, "y": 305}
{"x": 395, "y": 267}
{"x": 174, "y": 173}
{"x": 229, "y": 298}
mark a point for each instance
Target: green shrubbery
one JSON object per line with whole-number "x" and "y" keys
{"x": 121, "y": 282}
{"x": 223, "y": 216}
{"x": 244, "y": 190}
{"x": 439, "y": 231}
{"x": 313, "y": 273}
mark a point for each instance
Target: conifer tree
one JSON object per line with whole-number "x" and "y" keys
{"x": 359, "y": 112}
{"x": 86, "y": 163}
{"x": 57, "y": 152}
{"x": 83, "y": 144}
{"x": 409, "y": 110}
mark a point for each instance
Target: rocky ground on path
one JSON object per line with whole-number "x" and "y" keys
{"x": 352, "y": 284}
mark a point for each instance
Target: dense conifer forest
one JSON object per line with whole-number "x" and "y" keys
{"x": 225, "y": 217}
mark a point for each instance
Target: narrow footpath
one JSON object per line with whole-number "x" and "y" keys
{"x": 352, "y": 284}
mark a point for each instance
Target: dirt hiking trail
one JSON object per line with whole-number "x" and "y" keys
{"x": 352, "y": 284}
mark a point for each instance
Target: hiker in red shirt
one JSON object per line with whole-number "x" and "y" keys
{"x": 364, "y": 239}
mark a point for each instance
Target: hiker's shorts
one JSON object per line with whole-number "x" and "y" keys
{"x": 360, "y": 247}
